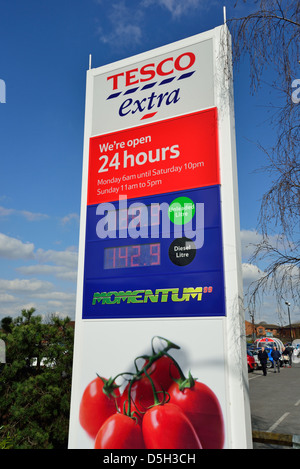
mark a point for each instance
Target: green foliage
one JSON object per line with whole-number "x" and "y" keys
{"x": 5, "y": 441}
{"x": 35, "y": 383}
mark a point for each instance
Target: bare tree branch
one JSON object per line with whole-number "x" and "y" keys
{"x": 269, "y": 37}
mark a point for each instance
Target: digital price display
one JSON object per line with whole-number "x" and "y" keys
{"x": 138, "y": 255}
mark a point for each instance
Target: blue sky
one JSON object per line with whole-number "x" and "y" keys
{"x": 44, "y": 54}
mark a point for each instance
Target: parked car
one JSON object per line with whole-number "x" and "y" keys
{"x": 252, "y": 365}
{"x": 255, "y": 356}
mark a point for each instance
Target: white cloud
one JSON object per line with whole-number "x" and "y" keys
{"x": 12, "y": 248}
{"x": 124, "y": 26}
{"x": 61, "y": 272}
{"x": 30, "y": 216}
{"x": 122, "y": 34}
{"x": 6, "y": 298}
{"x": 18, "y": 294}
{"x": 43, "y": 295}
{"x": 248, "y": 239}
{"x": 251, "y": 238}
{"x": 61, "y": 264}
{"x": 39, "y": 269}
{"x": 25, "y": 286}
{"x": 125, "y": 21}
{"x": 4, "y": 212}
{"x": 56, "y": 296}
{"x": 68, "y": 218}
{"x": 15, "y": 307}
{"x": 177, "y": 8}
{"x": 251, "y": 273}
{"x": 70, "y": 275}
{"x": 67, "y": 258}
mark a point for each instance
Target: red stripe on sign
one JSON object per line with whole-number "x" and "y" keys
{"x": 171, "y": 155}
{"x": 147, "y": 116}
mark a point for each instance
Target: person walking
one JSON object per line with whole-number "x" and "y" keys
{"x": 289, "y": 351}
{"x": 285, "y": 357}
{"x": 275, "y": 354}
{"x": 263, "y": 358}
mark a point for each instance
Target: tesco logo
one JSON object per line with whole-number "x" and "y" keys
{"x": 150, "y": 76}
{"x": 148, "y": 72}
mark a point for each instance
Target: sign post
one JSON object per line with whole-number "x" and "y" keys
{"x": 159, "y": 271}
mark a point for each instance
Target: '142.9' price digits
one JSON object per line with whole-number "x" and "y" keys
{"x": 139, "y": 255}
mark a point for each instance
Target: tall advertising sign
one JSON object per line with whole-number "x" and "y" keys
{"x": 159, "y": 360}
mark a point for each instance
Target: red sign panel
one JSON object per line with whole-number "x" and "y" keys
{"x": 167, "y": 156}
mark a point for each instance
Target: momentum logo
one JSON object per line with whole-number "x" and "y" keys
{"x": 161, "y": 295}
{"x": 159, "y": 75}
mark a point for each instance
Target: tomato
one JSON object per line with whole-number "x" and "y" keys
{"x": 163, "y": 371}
{"x": 119, "y": 432}
{"x": 141, "y": 396}
{"x": 167, "y": 427}
{"x": 96, "y": 406}
{"x": 203, "y": 409}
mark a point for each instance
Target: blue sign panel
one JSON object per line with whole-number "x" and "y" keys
{"x": 152, "y": 257}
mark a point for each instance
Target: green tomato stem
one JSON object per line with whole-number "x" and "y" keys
{"x": 182, "y": 382}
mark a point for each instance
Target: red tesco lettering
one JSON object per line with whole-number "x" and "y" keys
{"x": 148, "y": 72}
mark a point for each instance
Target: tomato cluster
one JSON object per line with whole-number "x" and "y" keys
{"x": 159, "y": 408}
